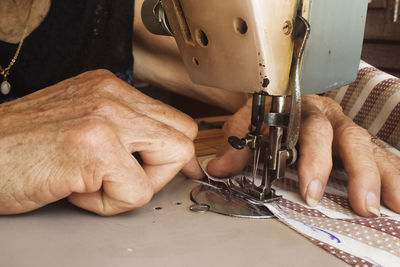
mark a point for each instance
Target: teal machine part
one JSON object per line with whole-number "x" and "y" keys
{"x": 332, "y": 54}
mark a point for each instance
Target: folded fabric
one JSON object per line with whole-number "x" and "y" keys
{"x": 332, "y": 224}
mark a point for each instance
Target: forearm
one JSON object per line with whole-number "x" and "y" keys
{"x": 158, "y": 62}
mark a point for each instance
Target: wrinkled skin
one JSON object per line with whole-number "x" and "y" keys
{"x": 75, "y": 140}
{"x": 326, "y": 133}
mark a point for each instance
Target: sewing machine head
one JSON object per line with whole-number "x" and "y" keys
{"x": 277, "y": 48}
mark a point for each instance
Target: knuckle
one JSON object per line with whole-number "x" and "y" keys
{"x": 185, "y": 148}
{"x": 379, "y": 153}
{"x": 190, "y": 150}
{"x": 107, "y": 211}
{"x": 95, "y": 74}
{"x": 316, "y": 124}
{"x": 326, "y": 105}
{"x": 330, "y": 103}
{"x": 99, "y": 73}
{"x": 139, "y": 200}
{"x": 317, "y": 118}
{"x": 135, "y": 200}
{"x": 109, "y": 84}
{"x": 332, "y": 106}
{"x": 190, "y": 129}
{"x": 104, "y": 105}
{"x": 394, "y": 159}
{"x": 93, "y": 133}
{"x": 356, "y": 133}
{"x": 310, "y": 98}
{"x": 102, "y": 72}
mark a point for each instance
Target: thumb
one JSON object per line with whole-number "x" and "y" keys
{"x": 230, "y": 160}
{"x": 193, "y": 170}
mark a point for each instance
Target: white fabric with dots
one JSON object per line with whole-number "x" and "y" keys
{"x": 335, "y": 227}
{"x": 332, "y": 225}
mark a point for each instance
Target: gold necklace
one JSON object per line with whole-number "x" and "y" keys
{"x": 5, "y": 85}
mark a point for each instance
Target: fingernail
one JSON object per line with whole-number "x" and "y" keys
{"x": 313, "y": 193}
{"x": 373, "y": 204}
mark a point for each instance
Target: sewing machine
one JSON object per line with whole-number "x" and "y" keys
{"x": 270, "y": 48}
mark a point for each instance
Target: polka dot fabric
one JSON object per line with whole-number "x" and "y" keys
{"x": 333, "y": 225}
{"x": 347, "y": 257}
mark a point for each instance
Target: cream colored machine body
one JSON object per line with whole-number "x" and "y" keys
{"x": 270, "y": 48}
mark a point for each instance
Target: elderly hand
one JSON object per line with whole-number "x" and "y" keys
{"x": 75, "y": 139}
{"x": 326, "y": 132}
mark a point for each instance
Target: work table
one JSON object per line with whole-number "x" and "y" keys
{"x": 163, "y": 233}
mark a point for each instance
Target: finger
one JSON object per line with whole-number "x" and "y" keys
{"x": 315, "y": 159}
{"x": 124, "y": 182}
{"x": 390, "y": 176}
{"x": 168, "y": 115}
{"x": 354, "y": 146}
{"x": 229, "y": 160}
{"x": 193, "y": 170}
{"x": 114, "y": 88}
{"x": 163, "y": 150}
{"x": 94, "y": 87}
{"x": 161, "y": 165}
{"x": 395, "y": 160}
{"x": 123, "y": 185}
{"x": 230, "y": 163}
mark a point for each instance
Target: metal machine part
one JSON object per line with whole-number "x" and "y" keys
{"x": 332, "y": 55}
{"x": 154, "y": 18}
{"x": 227, "y": 198}
{"x": 259, "y": 47}
{"x": 277, "y": 151}
{"x": 240, "y": 45}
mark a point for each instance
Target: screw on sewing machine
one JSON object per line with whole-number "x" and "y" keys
{"x": 236, "y": 142}
{"x": 239, "y": 143}
{"x": 287, "y": 27}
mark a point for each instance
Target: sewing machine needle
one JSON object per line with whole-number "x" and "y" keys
{"x": 256, "y": 158}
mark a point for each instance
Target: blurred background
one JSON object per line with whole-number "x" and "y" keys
{"x": 382, "y": 36}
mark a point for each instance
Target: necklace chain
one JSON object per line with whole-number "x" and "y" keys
{"x": 5, "y": 71}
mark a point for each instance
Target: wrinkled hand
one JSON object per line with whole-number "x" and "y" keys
{"x": 75, "y": 139}
{"x": 326, "y": 133}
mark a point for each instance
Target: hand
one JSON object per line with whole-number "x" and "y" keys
{"x": 75, "y": 139}
{"x": 326, "y": 132}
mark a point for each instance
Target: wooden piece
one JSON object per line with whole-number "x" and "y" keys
{"x": 208, "y": 141}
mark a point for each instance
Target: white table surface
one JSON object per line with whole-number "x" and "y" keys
{"x": 62, "y": 235}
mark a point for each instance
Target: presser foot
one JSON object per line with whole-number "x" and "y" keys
{"x": 235, "y": 197}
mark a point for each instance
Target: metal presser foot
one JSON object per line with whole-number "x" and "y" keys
{"x": 242, "y": 196}
{"x": 246, "y": 195}
{"x": 220, "y": 197}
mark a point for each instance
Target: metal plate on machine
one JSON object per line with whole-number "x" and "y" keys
{"x": 209, "y": 198}
{"x": 332, "y": 54}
